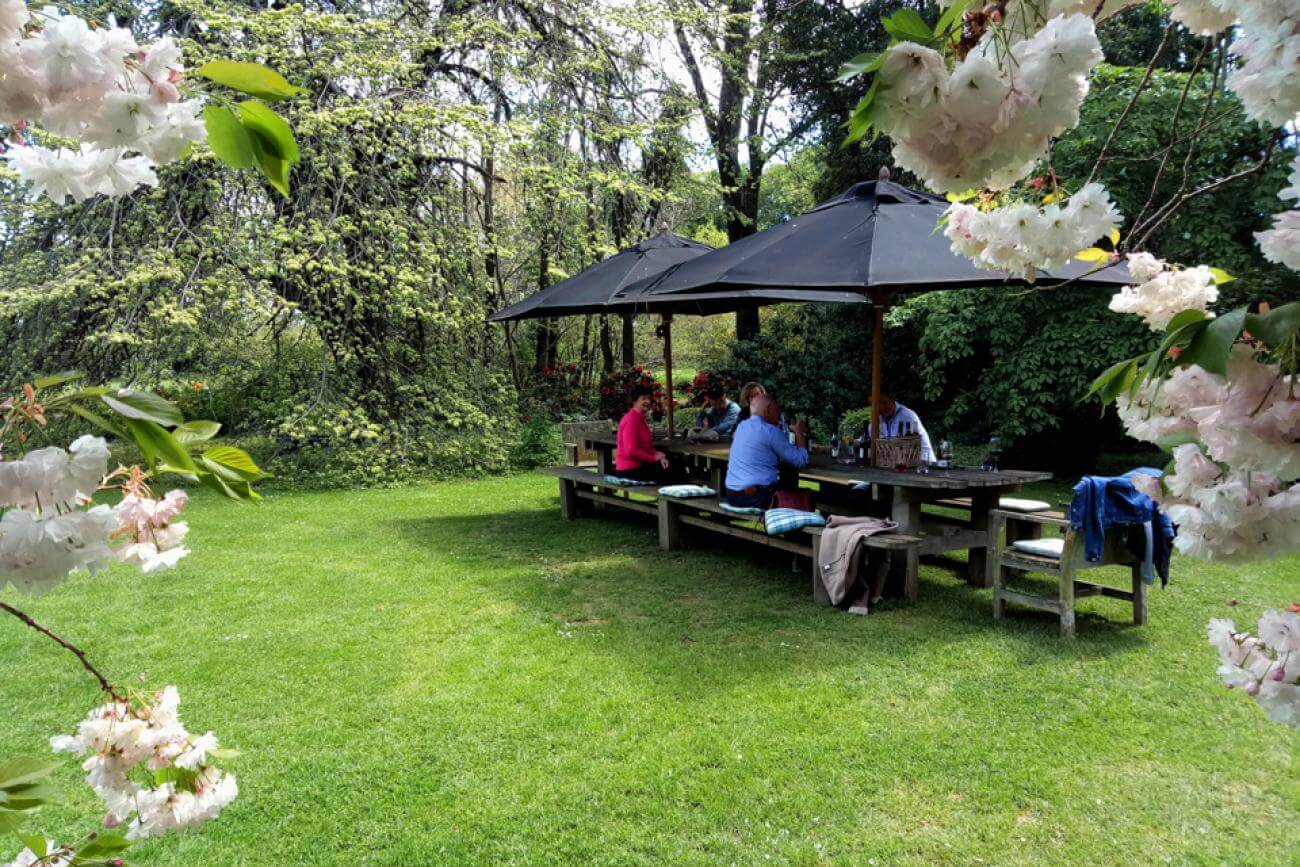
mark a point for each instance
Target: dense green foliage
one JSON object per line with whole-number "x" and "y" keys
{"x": 459, "y": 157}
{"x": 453, "y": 674}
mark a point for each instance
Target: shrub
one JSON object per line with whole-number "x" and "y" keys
{"x": 616, "y": 392}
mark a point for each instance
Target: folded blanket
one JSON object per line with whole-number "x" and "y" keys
{"x": 616, "y": 480}
{"x": 687, "y": 491}
{"x": 780, "y": 521}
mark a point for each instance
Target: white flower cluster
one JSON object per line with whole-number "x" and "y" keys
{"x": 49, "y": 529}
{"x": 1281, "y": 243}
{"x": 986, "y": 123}
{"x": 46, "y": 535}
{"x": 1162, "y": 292}
{"x": 155, "y": 539}
{"x": 1266, "y": 666}
{"x": 1024, "y": 238}
{"x": 1232, "y": 493}
{"x": 55, "y": 856}
{"x": 1202, "y": 16}
{"x": 117, "y": 100}
{"x": 117, "y": 739}
{"x": 1267, "y": 80}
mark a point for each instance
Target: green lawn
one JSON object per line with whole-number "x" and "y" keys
{"x": 452, "y": 674}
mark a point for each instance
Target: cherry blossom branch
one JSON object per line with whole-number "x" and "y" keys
{"x": 1146, "y": 77}
{"x": 77, "y": 651}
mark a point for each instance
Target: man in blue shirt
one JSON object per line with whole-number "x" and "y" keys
{"x": 758, "y": 450}
{"x": 897, "y": 420}
{"x": 720, "y": 413}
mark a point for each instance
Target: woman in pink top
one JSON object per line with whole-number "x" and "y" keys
{"x": 636, "y": 456}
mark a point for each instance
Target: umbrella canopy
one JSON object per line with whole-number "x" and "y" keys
{"x": 876, "y": 238}
{"x": 874, "y": 235}
{"x": 594, "y": 290}
{"x": 591, "y": 290}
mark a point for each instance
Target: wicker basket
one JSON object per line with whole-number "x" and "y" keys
{"x": 896, "y": 452}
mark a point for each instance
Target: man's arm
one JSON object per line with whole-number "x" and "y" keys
{"x": 788, "y": 453}
{"x": 729, "y": 421}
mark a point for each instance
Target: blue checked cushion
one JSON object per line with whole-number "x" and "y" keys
{"x": 615, "y": 480}
{"x": 739, "y": 510}
{"x": 784, "y": 520}
{"x": 687, "y": 491}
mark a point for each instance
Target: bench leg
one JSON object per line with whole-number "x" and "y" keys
{"x": 670, "y": 529}
{"x": 982, "y": 504}
{"x": 912, "y": 574}
{"x": 1139, "y": 597}
{"x": 1067, "y": 602}
{"x": 568, "y": 499}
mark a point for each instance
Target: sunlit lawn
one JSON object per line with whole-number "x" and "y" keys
{"x": 453, "y": 674}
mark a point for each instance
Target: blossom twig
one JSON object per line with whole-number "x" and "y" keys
{"x": 77, "y": 651}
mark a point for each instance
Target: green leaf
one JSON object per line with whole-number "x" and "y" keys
{"x": 160, "y": 446}
{"x": 1211, "y": 346}
{"x": 53, "y": 379}
{"x": 1275, "y": 326}
{"x": 950, "y": 16}
{"x": 908, "y": 26}
{"x": 10, "y": 820}
{"x": 860, "y": 121}
{"x": 251, "y": 78}
{"x": 270, "y": 130}
{"x": 1183, "y": 317}
{"x": 196, "y": 431}
{"x": 35, "y": 842}
{"x": 274, "y": 169}
{"x": 868, "y": 61}
{"x": 221, "y": 753}
{"x": 143, "y": 405}
{"x": 229, "y": 141}
{"x": 95, "y": 419}
{"x": 184, "y": 779}
{"x": 1114, "y": 380}
{"x": 1093, "y": 254}
{"x": 1221, "y": 276}
{"x": 232, "y": 464}
{"x": 102, "y": 848}
{"x": 24, "y": 770}
{"x": 29, "y": 796}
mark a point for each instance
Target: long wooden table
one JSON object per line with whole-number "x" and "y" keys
{"x": 900, "y": 495}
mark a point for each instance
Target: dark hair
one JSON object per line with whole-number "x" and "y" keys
{"x": 715, "y": 392}
{"x": 640, "y": 391}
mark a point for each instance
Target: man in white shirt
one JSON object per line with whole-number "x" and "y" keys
{"x": 896, "y": 420}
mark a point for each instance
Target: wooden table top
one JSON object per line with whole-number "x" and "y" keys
{"x": 823, "y": 468}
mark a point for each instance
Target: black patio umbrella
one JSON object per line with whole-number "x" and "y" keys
{"x": 595, "y": 290}
{"x": 877, "y": 239}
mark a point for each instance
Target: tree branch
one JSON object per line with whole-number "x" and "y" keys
{"x": 77, "y": 651}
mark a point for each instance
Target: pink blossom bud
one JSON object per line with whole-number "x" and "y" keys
{"x": 1230, "y": 602}
{"x": 165, "y": 92}
{"x": 112, "y": 820}
{"x": 1279, "y": 673}
{"x": 173, "y": 75}
{"x": 1252, "y": 689}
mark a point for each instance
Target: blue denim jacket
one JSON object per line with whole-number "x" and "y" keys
{"x": 1101, "y": 502}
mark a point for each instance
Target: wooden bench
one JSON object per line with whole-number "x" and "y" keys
{"x": 1017, "y": 524}
{"x": 1005, "y": 559}
{"x": 578, "y": 484}
{"x": 706, "y": 513}
{"x": 573, "y": 433}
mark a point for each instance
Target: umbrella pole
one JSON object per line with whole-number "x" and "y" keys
{"x": 668, "y": 369}
{"x": 877, "y": 358}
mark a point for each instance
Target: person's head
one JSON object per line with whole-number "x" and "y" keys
{"x": 716, "y": 397}
{"x": 887, "y": 403}
{"x": 749, "y": 391}
{"x": 766, "y": 408}
{"x": 642, "y": 398}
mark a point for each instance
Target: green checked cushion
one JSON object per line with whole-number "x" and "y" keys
{"x": 616, "y": 480}
{"x": 739, "y": 510}
{"x": 687, "y": 491}
{"x": 780, "y": 521}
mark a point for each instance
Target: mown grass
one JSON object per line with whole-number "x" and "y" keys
{"x": 452, "y": 674}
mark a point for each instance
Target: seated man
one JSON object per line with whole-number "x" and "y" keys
{"x": 897, "y": 420}
{"x": 635, "y": 456}
{"x": 758, "y": 450}
{"x": 719, "y": 414}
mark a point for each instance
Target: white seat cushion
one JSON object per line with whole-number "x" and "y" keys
{"x": 1041, "y": 547}
{"x": 1016, "y": 504}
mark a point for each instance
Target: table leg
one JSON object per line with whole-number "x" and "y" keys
{"x": 982, "y": 504}
{"x": 903, "y": 566}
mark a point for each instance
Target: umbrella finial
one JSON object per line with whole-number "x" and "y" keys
{"x": 883, "y": 174}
